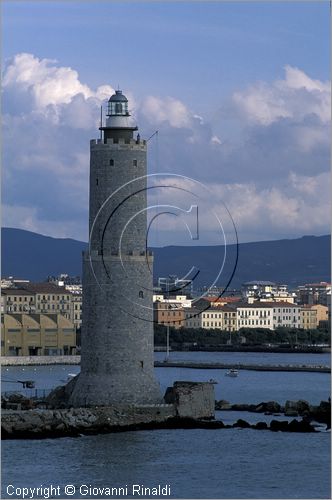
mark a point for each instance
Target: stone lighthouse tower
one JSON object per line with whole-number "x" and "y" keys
{"x": 117, "y": 323}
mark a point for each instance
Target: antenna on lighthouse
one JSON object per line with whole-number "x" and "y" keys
{"x": 101, "y": 120}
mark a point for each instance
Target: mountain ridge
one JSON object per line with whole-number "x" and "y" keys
{"x": 289, "y": 261}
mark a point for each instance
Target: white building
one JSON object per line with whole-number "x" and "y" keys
{"x": 180, "y": 300}
{"x": 268, "y": 315}
{"x": 266, "y": 291}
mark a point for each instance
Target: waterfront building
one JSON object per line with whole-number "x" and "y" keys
{"x": 74, "y": 285}
{"x": 50, "y": 298}
{"x": 11, "y": 282}
{"x": 37, "y": 335}
{"x": 308, "y": 318}
{"x": 117, "y": 359}
{"x": 314, "y": 316}
{"x": 230, "y": 317}
{"x": 212, "y": 319}
{"x": 15, "y": 300}
{"x": 76, "y": 304}
{"x": 205, "y": 302}
{"x": 170, "y": 299}
{"x": 44, "y": 298}
{"x": 221, "y": 318}
{"x": 170, "y": 313}
{"x": 193, "y": 318}
{"x": 269, "y": 315}
{"x": 65, "y": 280}
{"x": 266, "y": 291}
{"x": 314, "y": 293}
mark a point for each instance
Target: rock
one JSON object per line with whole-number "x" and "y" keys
{"x": 16, "y": 398}
{"x": 300, "y": 426}
{"x": 291, "y": 413}
{"x": 261, "y": 425}
{"x": 302, "y": 406}
{"x": 321, "y": 413}
{"x": 13, "y": 406}
{"x": 279, "y": 425}
{"x": 270, "y": 407}
{"x": 294, "y": 408}
{"x": 60, "y": 427}
{"x": 241, "y": 407}
{"x": 56, "y": 397}
{"x": 222, "y": 405}
{"x": 242, "y": 424}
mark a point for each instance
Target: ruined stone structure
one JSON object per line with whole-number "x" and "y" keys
{"x": 117, "y": 313}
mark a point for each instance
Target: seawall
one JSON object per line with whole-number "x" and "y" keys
{"x": 75, "y": 360}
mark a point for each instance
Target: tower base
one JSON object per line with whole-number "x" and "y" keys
{"x": 107, "y": 390}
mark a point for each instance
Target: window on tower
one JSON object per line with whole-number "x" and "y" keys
{"x": 118, "y": 108}
{"x": 141, "y": 294}
{"x": 135, "y": 163}
{"x": 111, "y": 162}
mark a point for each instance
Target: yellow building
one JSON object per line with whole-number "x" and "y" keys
{"x": 308, "y": 318}
{"x": 220, "y": 317}
{"x": 313, "y": 315}
{"x": 15, "y": 300}
{"x": 51, "y": 299}
{"x": 37, "y": 335}
{"x": 322, "y": 312}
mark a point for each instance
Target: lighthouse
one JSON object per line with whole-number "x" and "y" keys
{"x": 117, "y": 363}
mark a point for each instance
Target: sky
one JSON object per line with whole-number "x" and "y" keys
{"x": 239, "y": 93}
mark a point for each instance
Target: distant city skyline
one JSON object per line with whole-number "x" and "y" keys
{"x": 239, "y": 93}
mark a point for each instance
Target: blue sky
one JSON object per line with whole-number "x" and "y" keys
{"x": 240, "y": 88}
{"x": 175, "y": 49}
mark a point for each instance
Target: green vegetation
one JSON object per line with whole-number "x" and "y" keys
{"x": 210, "y": 338}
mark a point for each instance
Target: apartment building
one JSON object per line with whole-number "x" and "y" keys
{"x": 169, "y": 313}
{"x": 268, "y": 315}
{"x": 44, "y": 298}
{"x": 314, "y": 316}
{"x": 193, "y": 318}
{"x": 314, "y": 293}
{"x": 222, "y": 318}
{"x": 15, "y": 301}
{"x": 266, "y": 291}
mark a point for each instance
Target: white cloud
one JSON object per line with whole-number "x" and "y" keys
{"x": 296, "y": 97}
{"x": 171, "y": 110}
{"x": 215, "y": 140}
{"x": 46, "y": 82}
{"x": 271, "y": 174}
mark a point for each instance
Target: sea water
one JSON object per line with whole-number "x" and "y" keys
{"x": 191, "y": 463}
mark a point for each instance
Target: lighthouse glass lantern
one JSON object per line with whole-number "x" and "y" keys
{"x": 118, "y": 105}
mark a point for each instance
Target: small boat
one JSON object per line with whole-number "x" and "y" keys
{"x": 212, "y": 381}
{"x": 232, "y": 373}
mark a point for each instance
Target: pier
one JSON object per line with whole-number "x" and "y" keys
{"x": 243, "y": 366}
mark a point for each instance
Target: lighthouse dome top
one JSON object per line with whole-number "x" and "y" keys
{"x": 118, "y": 97}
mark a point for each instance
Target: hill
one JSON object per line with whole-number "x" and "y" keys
{"x": 290, "y": 261}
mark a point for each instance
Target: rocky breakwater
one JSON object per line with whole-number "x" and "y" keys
{"x": 310, "y": 413}
{"x": 44, "y": 423}
{"x": 187, "y": 405}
